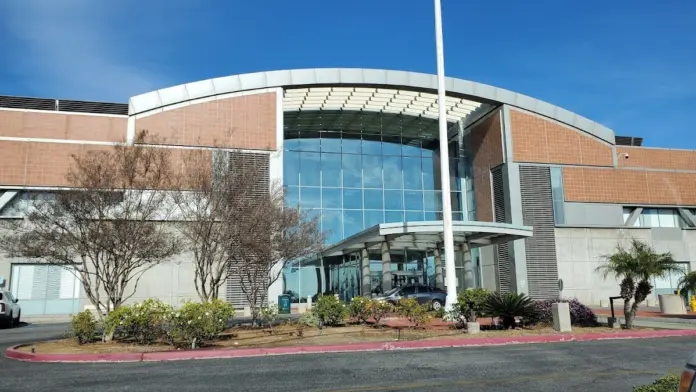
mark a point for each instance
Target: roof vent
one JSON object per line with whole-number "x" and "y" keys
{"x": 629, "y": 141}
{"x": 63, "y": 105}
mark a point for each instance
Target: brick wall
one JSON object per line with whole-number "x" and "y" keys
{"x": 485, "y": 149}
{"x": 656, "y": 158}
{"x": 47, "y": 164}
{"x": 247, "y": 121}
{"x": 38, "y": 164}
{"x": 25, "y": 124}
{"x": 541, "y": 140}
{"x": 595, "y": 185}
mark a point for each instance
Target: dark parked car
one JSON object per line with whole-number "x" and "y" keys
{"x": 424, "y": 294}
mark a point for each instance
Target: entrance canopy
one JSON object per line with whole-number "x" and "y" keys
{"x": 429, "y": 235}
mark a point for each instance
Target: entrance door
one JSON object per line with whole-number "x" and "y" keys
{"x": 403, "y": 278}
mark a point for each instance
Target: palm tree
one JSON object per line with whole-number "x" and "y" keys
{"x": 687, "y": 284}
{"x": 636, "y": 266}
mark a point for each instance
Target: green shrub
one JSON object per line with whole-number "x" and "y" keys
{"x": 196, "y": 324}
{"x": 359, "y": 309}
{"x": 269, "y": 314}
{"x": 508, "y": 306}
{"x": 415, "y": 313}
{"x": 668, "y": 383}
{"x": 309, "y": 319}
{"x": 330, "y": 310}
{"x": 379, "y": 309}
{"x": 143, "y": 322}
{"x": 471, "y": 303}
{"x": 83, "y": 327}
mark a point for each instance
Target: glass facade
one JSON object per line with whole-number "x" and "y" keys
{"x": 355, "y": 181}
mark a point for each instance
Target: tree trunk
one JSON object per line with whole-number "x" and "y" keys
{"x": 629, "y": 314}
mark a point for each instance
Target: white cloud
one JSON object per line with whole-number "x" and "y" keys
{"x": 74, "y": 49}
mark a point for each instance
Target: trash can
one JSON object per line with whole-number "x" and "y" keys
{"x": 284, "y": 304}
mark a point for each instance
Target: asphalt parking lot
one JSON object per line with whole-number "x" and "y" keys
{"x": 612, "y": 365}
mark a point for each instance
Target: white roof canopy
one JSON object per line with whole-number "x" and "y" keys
{"x": 372, "y": 99}
{"x": 429, "y": 235}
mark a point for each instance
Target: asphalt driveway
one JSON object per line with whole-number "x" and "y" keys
{"x": 615, "y": 365}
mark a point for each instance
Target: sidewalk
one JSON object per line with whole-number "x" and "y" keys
{"x": 651, "y": 317}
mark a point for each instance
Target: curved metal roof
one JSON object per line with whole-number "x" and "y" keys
{"x": 400, "y": 80}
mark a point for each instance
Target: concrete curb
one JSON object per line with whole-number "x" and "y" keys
{"x": 15, "y": 353}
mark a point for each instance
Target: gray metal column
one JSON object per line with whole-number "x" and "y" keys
{"x": 439, "y": 281}
{"x": 469, "y": 270}
{"x": 366, "y": 286}
{"x": 386, "y": 267}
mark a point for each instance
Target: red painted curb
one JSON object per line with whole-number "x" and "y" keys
{"x": 14, "y": 353}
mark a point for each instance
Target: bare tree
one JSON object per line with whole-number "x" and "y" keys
{"x": 235, "y": 224}
{"x": 211, "y": 198}
{"x": 108, "y": 228}
{"x": 269, "y": 236}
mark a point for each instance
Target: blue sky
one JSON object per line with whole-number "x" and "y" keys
{"x": 629, "y": 65}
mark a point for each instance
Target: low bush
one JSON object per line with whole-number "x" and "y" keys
{"x": 440, "y": 312}
{"x": 269, "y": 314}
{"x": 471, "y": 302}
{"x": 415, "y": 313}
{"x": 83, "y": 326}
{"x": 668, "y": 383}
{"x": 359, "y": 309}
{"x": 330, "y": 310}
{"x": 309, "y": 319}
{"x": 144, "y": 322}
{"x": 580, "y": 314}
{"x": 379, "y": 309}
{"x": 509, "y": 306}
{"x": 196, "y": 324}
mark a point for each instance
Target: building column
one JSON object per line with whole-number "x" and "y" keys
{"x": 386, "y": 267}
{"x": 469, "y": 270}
{"x": 439, "y": 281}
{"x": 366, "y": 286}
{"x": 513, "y": 206}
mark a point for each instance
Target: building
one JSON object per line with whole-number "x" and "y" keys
{"x": 539, "y": 194}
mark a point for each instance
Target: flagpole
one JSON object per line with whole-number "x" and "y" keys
{"x": 450, "y": 271}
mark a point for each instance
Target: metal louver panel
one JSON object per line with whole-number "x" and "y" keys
{"x": 503, "y": 263}
{"x": 27, "y": 103}
{"x": 537, "y": 211}
{"x": 234, "y": 293}
{"x": 92, "y": 107}
{"x": 63, "y": 105}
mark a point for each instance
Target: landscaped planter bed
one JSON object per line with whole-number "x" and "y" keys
{"x": 287, "y": 336}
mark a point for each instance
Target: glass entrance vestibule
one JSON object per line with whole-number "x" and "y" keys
{"x": 365, "y": 273}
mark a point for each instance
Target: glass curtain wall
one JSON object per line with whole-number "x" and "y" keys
{"x": 352, "y": 180}
{"x": 355, "y": 181}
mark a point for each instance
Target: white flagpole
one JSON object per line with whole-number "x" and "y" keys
{"x": 444, "y": 164}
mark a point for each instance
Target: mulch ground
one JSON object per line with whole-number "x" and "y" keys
{"x": 291, "y": 335}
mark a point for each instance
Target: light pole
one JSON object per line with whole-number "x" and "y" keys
{"x": 448, "y": 239}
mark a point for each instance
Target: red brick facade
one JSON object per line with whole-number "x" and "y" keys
{"x": 540, "y": 140}
{"x": 247, "y": 121}
{"x": 485, "y": 145}
{"x": 34, "y": 124}
{"x": 648, "y": 176}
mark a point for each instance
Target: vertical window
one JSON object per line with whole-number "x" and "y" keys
{"x": 331, "y": 169}
{"x": 557, "y": 195}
